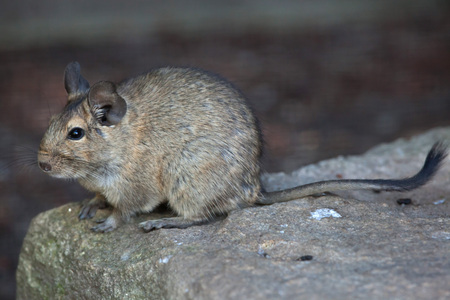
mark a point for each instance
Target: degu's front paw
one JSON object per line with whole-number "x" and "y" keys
{"x": 89, "y": 209}
{"x": 105, "y": 225}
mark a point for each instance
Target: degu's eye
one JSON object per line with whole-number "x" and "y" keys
{"x": 76, "y": 133}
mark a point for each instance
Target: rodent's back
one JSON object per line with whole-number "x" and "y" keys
{"x": 184, "y": 100}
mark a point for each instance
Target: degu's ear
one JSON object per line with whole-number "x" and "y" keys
{"x": 74, "y": 83}
{"x": 106, "y": 105}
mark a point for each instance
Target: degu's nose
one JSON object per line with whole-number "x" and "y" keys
{"x": 46, "y": 167}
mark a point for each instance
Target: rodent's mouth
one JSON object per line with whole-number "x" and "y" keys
{"x": 45, "y": 164}
{"x": 49, "y": 169}
{"x": 52, "y": 166}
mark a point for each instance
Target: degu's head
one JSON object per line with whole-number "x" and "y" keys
{"x": 74, "y": 139}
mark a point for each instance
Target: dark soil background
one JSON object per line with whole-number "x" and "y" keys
{"x": 320, "y": 89}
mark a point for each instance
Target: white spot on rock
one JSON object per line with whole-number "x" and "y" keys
{"x": 321, "y": 213}
{"x": 441, "y": 201}
{"x": 441, "y": 235}
{"x": 260, "y": 250}
{"x": 125, "y": 256}
{"x": 165, "y": 260}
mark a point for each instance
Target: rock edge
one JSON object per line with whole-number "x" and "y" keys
{"x": 366, "y": 248}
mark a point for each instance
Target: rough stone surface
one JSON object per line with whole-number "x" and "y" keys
{"x": 367, "y": 247}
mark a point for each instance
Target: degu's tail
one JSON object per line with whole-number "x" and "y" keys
{"x": 432, "y": 164}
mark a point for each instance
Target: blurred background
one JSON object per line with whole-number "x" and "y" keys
{"x": 324, "y": 77}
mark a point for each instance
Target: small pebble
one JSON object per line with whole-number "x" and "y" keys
{"x": 404, "y": 201}
{"x": 305, "y": 257}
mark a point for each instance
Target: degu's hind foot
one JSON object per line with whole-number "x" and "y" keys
{"x": 175, "y": 222}
{"x": 89, "y": 208}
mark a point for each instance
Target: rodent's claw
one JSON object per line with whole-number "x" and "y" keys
{"x": 88, "y": 211}
{"x": 150, "y": 225}
{"x": 103, "y": 228}
{"x": 106, "y": 225}
{"x": 90, "y": 208}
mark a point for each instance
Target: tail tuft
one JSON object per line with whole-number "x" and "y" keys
{"x": 432, "y": 164}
